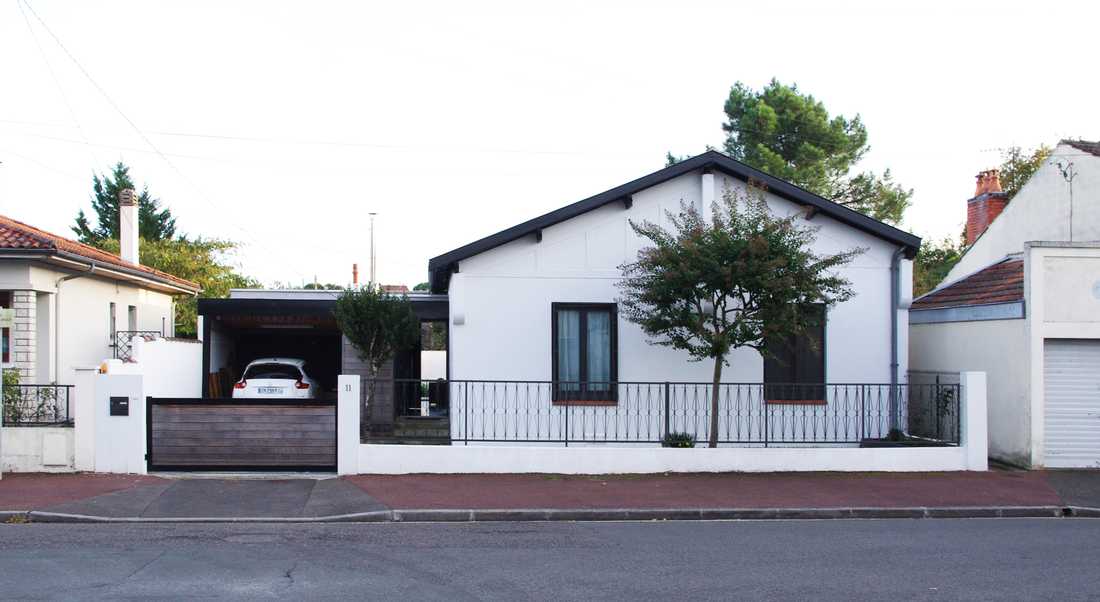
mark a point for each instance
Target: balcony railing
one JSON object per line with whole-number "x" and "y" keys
{"x": 37, "y": 405}
{"x": 751, "y": 414}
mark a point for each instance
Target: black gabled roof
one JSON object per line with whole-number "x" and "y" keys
{"x": 441, "y": 267}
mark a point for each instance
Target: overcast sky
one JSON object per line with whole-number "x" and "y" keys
{"x": 282, "y": 124}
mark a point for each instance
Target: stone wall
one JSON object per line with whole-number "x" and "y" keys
{"x": 23, "y": 336}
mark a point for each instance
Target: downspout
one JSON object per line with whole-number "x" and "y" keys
{"x": 895, "y": 301}
{"x": 57, "y": 319}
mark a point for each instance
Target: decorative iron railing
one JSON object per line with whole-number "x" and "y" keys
{"x": 751, "y": 414}
{"x": 37, "y": 405}
{"x": 124, "y": 342}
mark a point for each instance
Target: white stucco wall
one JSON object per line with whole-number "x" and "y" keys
{"x": 171, "y": 367}
{"x": 998, "y": 348}
{"x": 37, "y": 449}
{"x": 1040, "y": 211}
{"x": 83, "y": 315}
{"x": 504, "y": 298}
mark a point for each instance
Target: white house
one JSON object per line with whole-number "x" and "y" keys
{"x": 528, "y": 303}
{"x": 70, "y": 299}
{"x": 1023, "y": 305}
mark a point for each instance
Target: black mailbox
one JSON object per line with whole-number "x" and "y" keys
{"x": 120, "y": 406}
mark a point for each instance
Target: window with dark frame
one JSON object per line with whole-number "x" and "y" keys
{"x": 585, "y": 352}
{"x": 794, "y": 367}
{"x": 5, "y": 333}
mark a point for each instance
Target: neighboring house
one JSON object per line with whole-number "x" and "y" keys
{"x": 527, "y": 303}
{"x": 1023, "y": 305}
{"x": 71, "y": 299}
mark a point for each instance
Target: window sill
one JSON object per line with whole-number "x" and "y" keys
{"x": 585, "y": 402}
{"x": 796, "y": 402}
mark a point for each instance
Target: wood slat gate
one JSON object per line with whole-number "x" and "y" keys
{"x": 228, "y": 434}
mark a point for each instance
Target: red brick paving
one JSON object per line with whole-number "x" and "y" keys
{"x": 28, "y": 491}
{"x": 734, "y": 490}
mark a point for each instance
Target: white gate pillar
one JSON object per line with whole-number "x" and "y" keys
{"x": 347, "y": 424}
{"x": 974, "y": 421}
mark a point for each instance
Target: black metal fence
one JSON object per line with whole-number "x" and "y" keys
{"x": 124, "y": 342}
{"x": 37, "y": 405}
{"x": 646, "y": 412}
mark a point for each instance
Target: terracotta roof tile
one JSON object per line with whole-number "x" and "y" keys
{"x": 999, "y": 283}
{"x": 17, "y": 235}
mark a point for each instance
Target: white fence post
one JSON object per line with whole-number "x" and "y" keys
{"x": 347, "y": 424}
{"x": 974, "y": 435}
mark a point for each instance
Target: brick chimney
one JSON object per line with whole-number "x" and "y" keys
{"x": 988, "y": 202}
{"x": 128, "y": 225}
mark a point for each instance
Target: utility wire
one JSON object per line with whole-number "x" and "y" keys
{"x": 56, "y": 81}
{"x": 140, "y": 133}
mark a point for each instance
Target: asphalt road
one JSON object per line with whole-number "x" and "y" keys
{"x": 999, "y": 559}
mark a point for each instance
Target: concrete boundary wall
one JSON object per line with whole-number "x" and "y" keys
{"x": 608, "y": 459}
{"x": 38, "y": 449}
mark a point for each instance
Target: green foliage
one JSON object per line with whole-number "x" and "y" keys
{"x": 378, "y": 324}
{"x": 423, "y": 286}
{"x": 1018, "y": 165}
{"x": 933, "y": 262}
{"x": 154, "y": 222}
{"x": 708, "y": 287}
{"x": 319, "y": 286}
{"x": 205, "y": 261}
{"x": 678, "y": 440}
{"x": 791, "y": 136}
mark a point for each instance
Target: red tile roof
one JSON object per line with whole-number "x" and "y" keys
{"x": 19, "y": 236}
{"x": 999, "y": 283}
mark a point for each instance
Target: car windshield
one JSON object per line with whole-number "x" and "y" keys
{"x": 274, "y": 371}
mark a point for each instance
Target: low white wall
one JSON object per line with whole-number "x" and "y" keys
{"x": 410, "y": 459}
{"x": 171, "y": 367}
{"x": 37, "y": 449}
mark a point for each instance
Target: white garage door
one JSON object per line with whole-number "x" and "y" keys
{"x": 1072, "y": 391}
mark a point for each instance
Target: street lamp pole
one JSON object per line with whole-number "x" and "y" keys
{"x": 372, "y": 282}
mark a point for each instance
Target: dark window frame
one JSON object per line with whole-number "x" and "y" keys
{"x": 791, "y": 390}
{"x": 585, "y": 396}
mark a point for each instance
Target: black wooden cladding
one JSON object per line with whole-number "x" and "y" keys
{"x": 221, "y": 434}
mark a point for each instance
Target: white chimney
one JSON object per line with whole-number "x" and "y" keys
{"x": 128, "y": 225}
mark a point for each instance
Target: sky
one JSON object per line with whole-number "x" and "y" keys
{"x": 282, "y": 125}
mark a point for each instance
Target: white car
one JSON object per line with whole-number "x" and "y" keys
{"x": 275, "y": 378}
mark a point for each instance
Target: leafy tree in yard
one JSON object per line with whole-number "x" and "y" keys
{"x": 204, "y": 261}
{"x": 154, "y": 223}
{"x": 1018, "y": 165}
{"x": 423, "y": 286}
{"x": 933, "y": 262}
{"x": 790, "y": 135}
{"x": 742, "y": 278}
{"x": 378, "y": 325}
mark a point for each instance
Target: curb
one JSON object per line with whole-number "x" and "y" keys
{"x": 589, "y": 515}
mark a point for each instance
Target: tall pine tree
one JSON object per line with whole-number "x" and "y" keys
{"x": 154, "y": 223}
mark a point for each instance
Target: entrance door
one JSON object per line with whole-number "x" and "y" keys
{"x": 1071, "y": 377}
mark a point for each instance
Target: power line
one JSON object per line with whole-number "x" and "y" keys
{"x": 56, "y": 81}
{"x": 133, "y": 125}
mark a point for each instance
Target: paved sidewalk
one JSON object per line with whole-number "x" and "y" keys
{"x": 548, "y": 497}
{"x": 730, "y": 490}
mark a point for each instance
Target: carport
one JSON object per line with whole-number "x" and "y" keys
{"x": 259, "y": 323}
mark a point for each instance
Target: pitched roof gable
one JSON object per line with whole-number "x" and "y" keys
{"x": 440, "y": 267}
{"x": 17, "y": 236}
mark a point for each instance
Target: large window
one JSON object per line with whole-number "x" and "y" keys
{"x": 5, "y": 333}
{"x": 585, "y": 352}
{"x": 794, "y": 367}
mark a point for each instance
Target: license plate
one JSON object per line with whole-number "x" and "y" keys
{"x": 269, "y": 390}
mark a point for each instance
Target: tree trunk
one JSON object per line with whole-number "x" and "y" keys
{"x": 715, "y": 394}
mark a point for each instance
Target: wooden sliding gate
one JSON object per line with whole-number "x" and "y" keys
{"x": 240, "y": 434}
